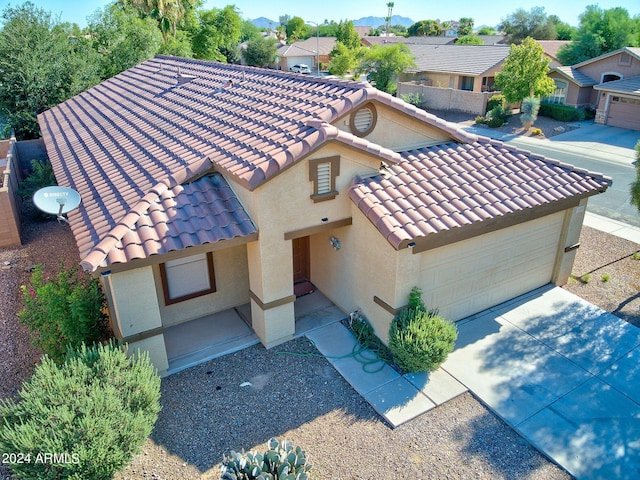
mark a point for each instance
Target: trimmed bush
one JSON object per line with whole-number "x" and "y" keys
{"x": 498, "y": 116}
{"x": 416, "y": 99}
{"x": 495, "y": 101}
{"x": 282, "y": 461}
{"x": 480, "y": 120}
{"x": 67, "y": 310}
{"x": 419, "y": 339}
{"x": 41, "y": 175}
{"x": 83, "y": 419}
{"x": 563, "y": 113}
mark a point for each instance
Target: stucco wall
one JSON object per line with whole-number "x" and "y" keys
{"x": 611, "y": 65}
{"x": 448, "y": 98}
{"x": 397, "y": 131}
{"x": 232, "y": 289}
{"x": 135, "y": 301}
{"x": 10, "y": 202}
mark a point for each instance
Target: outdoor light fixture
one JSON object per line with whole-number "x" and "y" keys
{"x": 411, "y": 245}
{"x": 335, "y": 243}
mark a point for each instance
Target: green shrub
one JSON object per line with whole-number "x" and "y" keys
{"x": 536, "y": 132}
{"x": 416, "y": 99}
{"x": 69, "y": 309}
{"x": 420, "y": 340}
{"x": 498, "y": 116}
{"x": 605, "y": 277}
{"x": 586, "y": 278}
{"x": 280, "y": 462}
{"x": 41, "y": 175}
{"x": 495, "y": 101}
{"x": 563, "y": 113}
{"x": 480, "y": 120}
{"x": 94, "y": 412}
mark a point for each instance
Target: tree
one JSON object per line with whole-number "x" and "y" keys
{"x": 465, "y": 27}
{"x": 635, "y": 185}
{"x": 180, "y": 45}
{"x": 123, "y": 38}
{"x": 42, "y": 64}
{"x": 168, "y": 13}
{"x": 522, "y": 24}
{"x": 564, "y": 31}
{"x": 384, "y": 63}
{"x": 260, "y": 52}
{"x": 343, "y": 60}
{"x": 600, "y": 32}
{"x": 347, "y": 35}
{"x": 428, "y": 28}
{"x": 524, "y": 73}
{"x": 487, "y": 31}
{"x": 296, "y": 30}
{"x": 387, "y": 19}
{"x": 470, "y": 40}
{"x": 218, "y": 34}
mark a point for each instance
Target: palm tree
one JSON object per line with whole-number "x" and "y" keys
{"x": 388, "y": 17}
{"x": 167, "y": 12}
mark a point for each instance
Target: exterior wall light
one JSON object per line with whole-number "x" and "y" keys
{"x": 335, "y": 243}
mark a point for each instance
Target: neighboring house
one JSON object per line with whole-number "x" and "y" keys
{"x": 206, "y": 187}
{"x": 306, "y": 51}
{"x": 609, "y": 83}
{"x": 452, "y": 28}
{"x": 462, "y": 67}
{"x": 363, "y": 31}
{"x": 423, "y": 40}
{"x": 551, "y": 48}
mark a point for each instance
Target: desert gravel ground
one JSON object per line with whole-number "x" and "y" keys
{"x": 297, "y": 395}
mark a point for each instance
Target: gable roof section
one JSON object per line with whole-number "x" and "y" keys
{"x": 168, "y": 120}
{"x": 624, "y": 86}
{"x": 576, "y": 76}
{"x": 438, "y": 193}
{"x": 551, "y": 47}
{"x": 633, "y": 51}
{"x": 458, "y": 59}
{"x": 309, "y": 46}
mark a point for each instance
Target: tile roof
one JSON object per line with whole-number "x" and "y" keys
{"x": 576, "y": 76}
{"x": 425, "y": 40}
{"x": 454, "y": 186}
{"x": 626, "y": 85}
{"x": 459, "y": 59}
{"x": 303, "y": 47}
{"x": 551, "y": 47}
{"x": 169, "y": 219}
{"x": 167, "y": 120}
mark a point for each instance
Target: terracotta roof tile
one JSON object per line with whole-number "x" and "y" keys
{"x": 456, "y": 185}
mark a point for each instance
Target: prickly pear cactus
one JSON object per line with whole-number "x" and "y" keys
{"x": 282, "y": 461}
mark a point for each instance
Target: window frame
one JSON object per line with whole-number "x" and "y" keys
{"x": 314, "y": 164}
{"x": 165, "y": 282}
{"x": 554, "y": 96}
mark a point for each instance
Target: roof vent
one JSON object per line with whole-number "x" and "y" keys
{"x": 363, "y": 120}
{"x": 184, "y": 78}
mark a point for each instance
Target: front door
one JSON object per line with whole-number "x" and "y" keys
{"x": 300, "y": 259}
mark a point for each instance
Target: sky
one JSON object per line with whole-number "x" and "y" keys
{"x": 483, "y": 12}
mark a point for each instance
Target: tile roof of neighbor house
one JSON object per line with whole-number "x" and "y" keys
{"x": 425, "y": 40}
{"x": 150, "y": 150}
{"x": 626, "y": 85}
{"x": 576, "y": 76}
{"x": 453, "y": 186}
{"x": 305, "y": 47}
{"x": 459, "y": 59}
{"x": 551, "y": 47}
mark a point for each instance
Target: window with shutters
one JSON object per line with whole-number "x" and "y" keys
{"x": 363, "y": 120}
{"x": 323, "y": 173}
{"x": 188, "y": 277}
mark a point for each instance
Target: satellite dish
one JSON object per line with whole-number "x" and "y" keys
{"x": 57, "y": 201}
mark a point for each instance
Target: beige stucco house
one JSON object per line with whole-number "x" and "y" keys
{"x": 609, "y": 83}
{"x": 206, "y": 187}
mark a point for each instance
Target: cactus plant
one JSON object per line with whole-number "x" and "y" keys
{"x": 282, "y": 461}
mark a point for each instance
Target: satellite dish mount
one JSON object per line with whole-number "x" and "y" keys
{"x": 57, "y": 201}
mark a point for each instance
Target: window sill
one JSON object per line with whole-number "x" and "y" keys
{"x": 324, "y": 196}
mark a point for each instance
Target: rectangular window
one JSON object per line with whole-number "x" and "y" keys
{"x": 187, "y": 278}
{"x": 466, "y": 83}
{"x": 323, "y": 173}
{"x": 559, "y": 95}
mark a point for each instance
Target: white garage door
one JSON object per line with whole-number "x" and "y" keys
{"x": 624, "y": 112}
{"x": 469, "y": 276}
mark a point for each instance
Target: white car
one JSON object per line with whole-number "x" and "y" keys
{"x": 300, "y": 68}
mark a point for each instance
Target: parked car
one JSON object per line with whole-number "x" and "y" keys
{"x": 300, "y": 68}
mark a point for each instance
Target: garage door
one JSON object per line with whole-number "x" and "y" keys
{"x": 624, "y": 112}
{"x": 469, "y": 276}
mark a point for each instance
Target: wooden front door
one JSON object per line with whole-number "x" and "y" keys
{"x": 300, "y": 259}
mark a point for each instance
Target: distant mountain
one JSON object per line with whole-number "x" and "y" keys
{"x": 265, "y": 23}
{"x": 375, "y": 22}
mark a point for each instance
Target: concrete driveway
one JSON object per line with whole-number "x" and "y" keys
{"x": 563, "y": 373}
